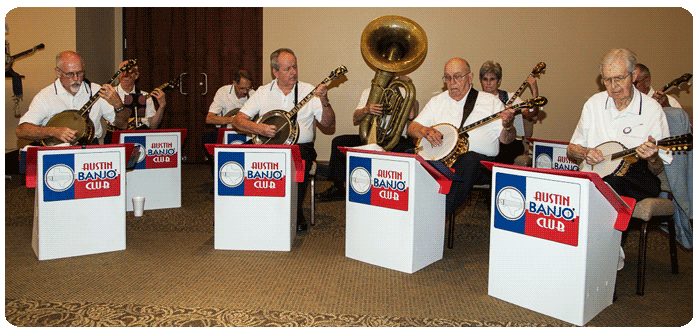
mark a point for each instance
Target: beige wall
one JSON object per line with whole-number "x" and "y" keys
{"x": 56, "y": 28}
{"x": 570, "y": 41}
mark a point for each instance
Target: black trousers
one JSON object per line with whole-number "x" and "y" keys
{"x": 470, "y": 172}
{"x": 308, "y": 154}
{"x": 508, "y": 152}
{"x": 336, "y": 165}
{"x": 638, "y": 183}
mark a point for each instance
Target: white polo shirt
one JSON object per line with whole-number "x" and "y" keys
{"x": 270, "y": 97}
{"x": 225, "y": 100}
{"x": 54, "y": 99}
{"x": 601, "y": 122}
{"x": 443, "y": 109}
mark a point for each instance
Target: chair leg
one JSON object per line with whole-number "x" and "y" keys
{"x": 450, "y": 230}
{"x": 642, "y": 258}
{"x": 313, "y": 200}
{"x": 672, "y": 246}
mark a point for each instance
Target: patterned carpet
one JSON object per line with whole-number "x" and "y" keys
{"x": 170, "y": 276}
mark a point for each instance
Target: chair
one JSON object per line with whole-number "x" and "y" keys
{"x": 655, "y": 211}
{"x": 312, "y": 183}
{"x": 482, "y": 191}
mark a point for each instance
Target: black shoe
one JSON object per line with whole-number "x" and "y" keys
{"x": 333, "y": 193}
{"x": 301, "y": 224}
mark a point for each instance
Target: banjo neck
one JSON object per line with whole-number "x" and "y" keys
{"x": 294, "y": 111}
{"x": 112, "y": 81}
{"x": 539, "y": 68}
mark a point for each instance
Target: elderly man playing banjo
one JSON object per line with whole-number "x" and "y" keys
{"x": 453, "y": 107}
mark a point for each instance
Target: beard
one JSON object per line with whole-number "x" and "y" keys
{"x": 75, "y": 87}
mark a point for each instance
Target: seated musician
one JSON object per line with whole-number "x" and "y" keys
{"x": 643, "y": 84}
{"x": 449, "y": 107}
{"x": 70, "y": 91}
{"x": 490, "y": 76}
{"x": 284, "y": 93}
{"x": 127, "y": 86}
{"x": 623, "y": 114}
{"x": 336, "y": 164}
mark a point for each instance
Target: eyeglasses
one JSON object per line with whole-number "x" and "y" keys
{"x": 457, "y": 77}
{"x": 72, "y": 74}
{"x": 617, "y": 80}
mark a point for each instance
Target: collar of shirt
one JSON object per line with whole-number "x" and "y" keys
{"x": 634, "y": 107}
{"x": 60, "y": 90}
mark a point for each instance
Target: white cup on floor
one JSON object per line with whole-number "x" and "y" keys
{"x": 138, "y": 205}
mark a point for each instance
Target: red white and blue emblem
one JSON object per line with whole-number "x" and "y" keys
{"x": 541, "y": 208}
{"x": 156, "y": 151}
{"x": 80, "y": 176}
{"x": 251, "y": 174}
{"x": 378, "y": 182}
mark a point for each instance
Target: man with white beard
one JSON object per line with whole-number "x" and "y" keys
{"x": 70, "y": 91}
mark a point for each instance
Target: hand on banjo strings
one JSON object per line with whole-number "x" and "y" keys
{"x": 65, "y": 134}
{"x": 108, "y": 93}
{"x": 268, "y": 130}
{"x": 594, "y": 156}
{"x": 433, "y": 136}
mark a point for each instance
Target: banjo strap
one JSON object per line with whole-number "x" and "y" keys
{"x": 469, "y": 106}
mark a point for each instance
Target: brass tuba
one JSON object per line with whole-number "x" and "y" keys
{"x": 392, "y": 44}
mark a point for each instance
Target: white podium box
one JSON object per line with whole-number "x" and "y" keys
{"x": 79, "y": 206}
{"x": 555, "y": 240}
{"x": 157, "y": 175}
{"x": 230, "y": 136}
{"x": 255, "y": 196}
{"x": 551, "y": 155}
{"x": 395, "y": 210}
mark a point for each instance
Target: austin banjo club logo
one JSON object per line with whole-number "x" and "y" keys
{"x": 539, "y": 208}
{"x": 251, "y": 174}
{"x": 156, "y": 151}
{"x": 548, "y": 157}
{"x": 81, "y": 176}
{"x": 378, "y": 182}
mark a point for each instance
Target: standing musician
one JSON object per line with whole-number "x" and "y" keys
{"x": 127, "y": 86}
{"x": 284, "y": 93}
{"x": 449, "y": 107}
{"x": 336, "y": 164}
{"x": 622, "y": 113}
{"x": 70, "y": 91}
{"x": 490, "y": 76}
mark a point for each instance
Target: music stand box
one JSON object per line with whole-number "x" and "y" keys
{"x": 230, "y": 136}
{"x": 555, "y": 240}
{"x": 551, "y": 155}
{"x": 79, "y": 206}
{"x": 395, "y": 210}
{"x": 157, "y": 175}
{"x": 255, "y": 196}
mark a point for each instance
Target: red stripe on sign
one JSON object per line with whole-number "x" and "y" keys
{"x": 552, "y": 228}
{"x": 97, "y": 188}
{"x": 390, "y": 198}
{"x": 161, "y": 162}
{"x": 265, "y": 187}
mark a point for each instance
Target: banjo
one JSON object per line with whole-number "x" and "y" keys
{"x": 539, "y": 69}
{"x": 456, "y": 142}
{"x": 133, "y": 121}
{"x": 286, "y": 122}
{"x": 677, "y": 82}
{"x": 618, "y": 159}
{"x": 80, "y": 119}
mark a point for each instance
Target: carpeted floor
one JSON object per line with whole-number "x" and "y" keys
{"x": 170, "y": 275}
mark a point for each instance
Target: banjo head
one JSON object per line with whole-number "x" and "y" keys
{"x": 286, "y": 129}
{"x": 449, "y": 142}
{"x": 72, "y": 120}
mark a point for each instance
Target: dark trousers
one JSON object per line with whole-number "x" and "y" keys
{"x": 508, "y": 152}
{"x": 209, "y": 138}
{"x": 470, "y": 172}
{"x": 308, "y": 154}
{"x": 336, "y": 165}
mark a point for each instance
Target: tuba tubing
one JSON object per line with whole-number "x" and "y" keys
{"x": 392, "y": 44}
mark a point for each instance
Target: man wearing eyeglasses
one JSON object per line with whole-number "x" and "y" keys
{"x": 230, "y": 97}
{"x": 449, "y": 107}
{"x": 623, "y": 114}
{"x": 70, "y": 91}
{"x": 127, "y": 86}
{"x": 643, "y": 84}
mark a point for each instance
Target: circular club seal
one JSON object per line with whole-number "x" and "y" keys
{"x": 231, "y": 174}
{"x": 237, "y": 142}
{"x": 142, "y": 152}
{"x": 510, "y": 203}
{"x": 59, "y": 177}
{"x": 360, "y": 180}
{"x": 543, "y": 161}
